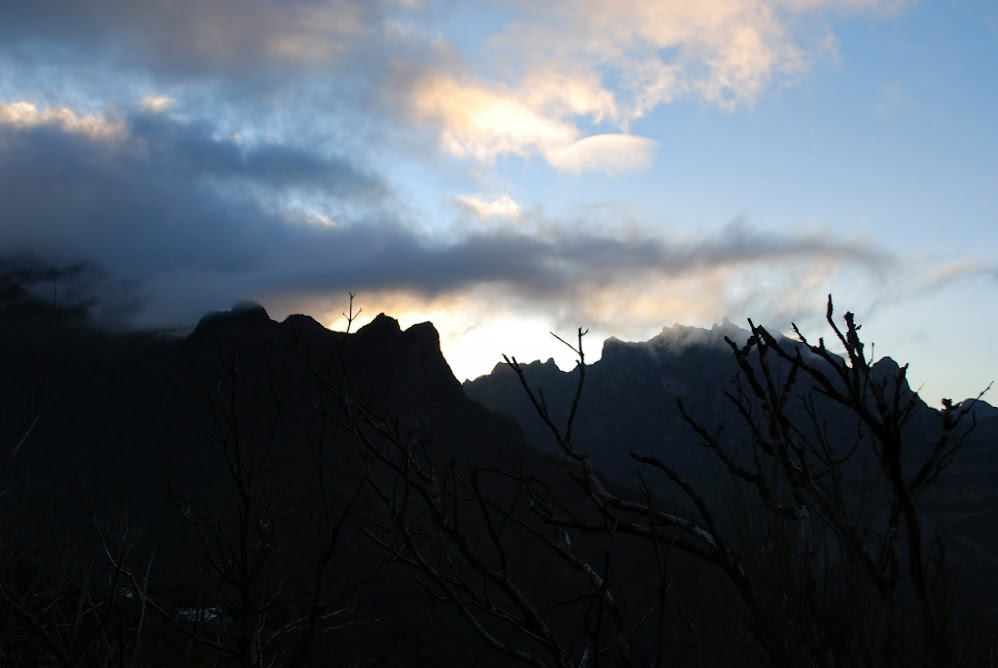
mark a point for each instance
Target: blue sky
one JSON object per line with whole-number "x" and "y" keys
{"x": 506, "y": 169}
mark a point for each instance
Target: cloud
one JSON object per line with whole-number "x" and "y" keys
{"x": 153, "y": 206}
{"x": 934, "y": 277}
{"x": 196, "y": 145}
{"x": 723, "y": 51}
{"x": 555, "y": 81}
{"x": 502, "y": 206}
{"x": 879, "y": 6}
{"x": 482, "y": 123}
{"x": 198, "y": 37}
{"x": 24, "y": 115}
{"x": 556, "y": 77}
{"x": 605, "y": 153}
{"x": 158, "y": 196}
{"x": 486, "y": 124}
{"x": 157, "y": 103}
{"x": 483, "y": 320}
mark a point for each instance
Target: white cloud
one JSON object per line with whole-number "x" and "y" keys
{"x": 482, "y": 123}
{"x": 486, "y": 124}
{"x": 881, "y": 6}
{"x": 554, "y": 74}
{"x": 568, "y": 90}
{"x": 157, "y": 104}
{"x": 604, "y": 153}
{"x": 503, "y": 206}
{"x": 22, "y": 115}
{"x": 558, "y": 71}
{"x": 725, "y": 51}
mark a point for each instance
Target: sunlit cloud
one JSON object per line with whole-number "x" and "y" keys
{"x": 157, "y": 104}
{"x": 725, "y": 52}
{"x": 552, "y": 83}
{"x": 24, "y": 115}
{"x": 880, "y": 6}
{"x": 486, "y": 124}
{"x": 502, "y": 206}
{"x": 482, "y": 322}
{"x": 559, "y": 71}
{"x": 478, "y": 122}
{"x": 605, "y": 153}
{"x": 569, "y": 89}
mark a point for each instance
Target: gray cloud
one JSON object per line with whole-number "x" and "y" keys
{"x": 197, "y": 37}
{"x": 158, "y": 199}
{"x": 314, "y": 70}
{"x": 193, "y": 146}
{"x": 154, "y": 208}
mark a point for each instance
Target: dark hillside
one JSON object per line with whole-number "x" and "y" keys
{"x": 630, "y": 404}
{"x": 123, "y": 417}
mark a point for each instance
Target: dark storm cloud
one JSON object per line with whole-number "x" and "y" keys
{"x": 563, "y": 261}
{"x": 155, "y": 197}
{"x": 194, "y": 147}
{"x": 150, "y": 206}
{"x": 195, "y": 37}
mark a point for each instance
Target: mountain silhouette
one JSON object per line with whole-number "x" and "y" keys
{"x": 629, "y": 404}
{"x": 120, "y": 415}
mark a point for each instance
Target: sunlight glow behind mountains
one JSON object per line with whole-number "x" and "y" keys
{"x": 506, "y": 169}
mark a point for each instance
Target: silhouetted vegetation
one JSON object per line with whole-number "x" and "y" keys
{"x": 262, "y": 494}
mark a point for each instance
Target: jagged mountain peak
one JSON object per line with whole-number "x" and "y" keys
{"x": 886, "y": 363}
{"x": 305, "y": 323}
{"x": 424, "y": 335}
{"x": 674, "y": 341}
{"x": 424, "y": 331}
{"x": 680, "y": 335}
{"x": 244, "y": 314}
{"x": 982, "y": 409}
{"x": 381, "y": 324}
{"x": 548, "y": 366}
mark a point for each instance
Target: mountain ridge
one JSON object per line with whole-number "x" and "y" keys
{"x": 129, "y": 412}
{"x": 122, "y": 400}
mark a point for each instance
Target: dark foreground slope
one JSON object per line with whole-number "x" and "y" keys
{"x": 124, "y": 421}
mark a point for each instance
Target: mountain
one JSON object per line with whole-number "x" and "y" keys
{"x": 141, "y": 426}
{"x": 123, "y": 419}
{"x": 630, "y": 399}
{"x": 143, "y": 431}
{"x": 629, "y": 404}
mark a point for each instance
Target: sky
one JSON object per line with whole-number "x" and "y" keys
{"x": 509, "y": 169}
